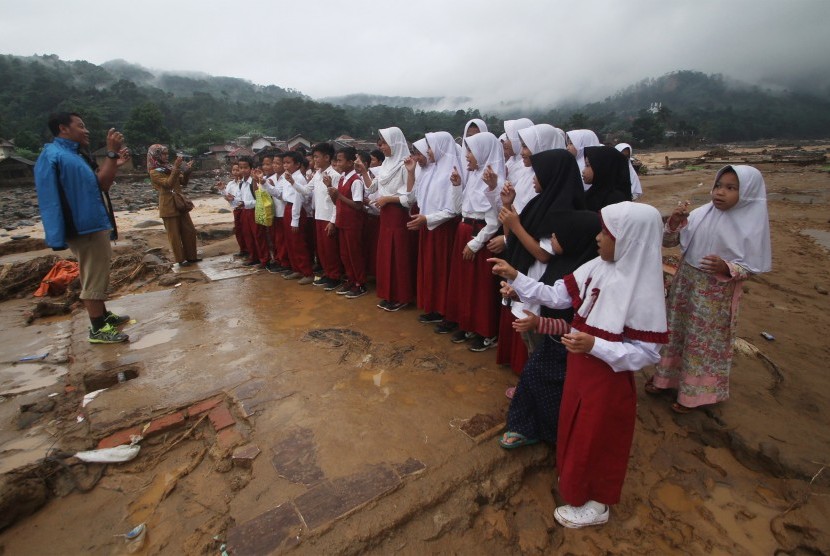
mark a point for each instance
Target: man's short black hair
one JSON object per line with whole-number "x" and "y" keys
{"x": 377, "y": 153}
{"x": 349, "y": 153}
{"x": 57, "y": 119}
{"x": 326, "y": 149}
{"x": 365, "y": 157}
{"x": 247, "y": 159}
{"x": 295, "y": 156}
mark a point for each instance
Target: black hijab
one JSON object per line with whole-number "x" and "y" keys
{"x": 576, "y": 232}
{"x": 558, "y": 174}
{"x": 612, "y": 180}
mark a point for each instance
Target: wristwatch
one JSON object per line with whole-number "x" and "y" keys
{"x": 112, "y": 154}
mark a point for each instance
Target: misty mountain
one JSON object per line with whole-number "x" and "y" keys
{"x": 362, "y": 100}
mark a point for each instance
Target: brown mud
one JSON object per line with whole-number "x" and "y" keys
{"x": 349, "y": 399}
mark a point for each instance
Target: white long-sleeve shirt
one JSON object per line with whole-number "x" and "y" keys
{"x": 299, "y": 195}
{"x": 245, "y": 196}
{"x": 324, "y": 208}
{"x": 274, "y": 186}
{"x": 628, "y": 355}
{"x": 395, "y": 187}
{"x": 232, "y": 188}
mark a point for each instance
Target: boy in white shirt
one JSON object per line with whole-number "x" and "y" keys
{"x": 328, "y": 252}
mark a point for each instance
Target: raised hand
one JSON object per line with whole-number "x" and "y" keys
{"x": 508, "y": 194}
{"x": 490, "y": 177}
{"x": 455, "y": 177}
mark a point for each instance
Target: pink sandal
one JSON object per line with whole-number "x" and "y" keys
{"x": 510, "y": 392}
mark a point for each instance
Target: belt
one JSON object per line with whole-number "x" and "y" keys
{"x": 474, "y": 222}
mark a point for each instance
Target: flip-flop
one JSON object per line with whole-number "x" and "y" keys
{"x": 520, "y": 440}
{"x": 650, "y": 388}
{"x": 510, "y": 392}
{"x": 681, "y": 409}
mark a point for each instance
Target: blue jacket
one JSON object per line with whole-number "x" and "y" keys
{"x": 60, "y": 167}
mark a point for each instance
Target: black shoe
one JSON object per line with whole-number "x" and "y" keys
{"x": 429, "y": 318}
{"x": 273, "y": 267}
{"x": 392, "y": 307}
{"x": 115, "y": 320}
{"x": 321, "y": 281}
{"x": 462, "y": 336}
{"x": 383, "y": 304}
{"x": 480, "y": 343}
{"x": 343, "y": 288}
{"x": 250, "y": 263}
{"x": 445, "y": 327}
{"x": 184, "y": 263}
{"x": 241, "y": 254}
{"x": 194, "y": 260}
{"x": 332, "y": 285}
{"x": 356, "y": 292}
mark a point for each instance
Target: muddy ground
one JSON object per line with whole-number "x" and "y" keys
{"x": 746, "y": 477}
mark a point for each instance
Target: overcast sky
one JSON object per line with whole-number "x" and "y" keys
{"x": 535, "y": 51}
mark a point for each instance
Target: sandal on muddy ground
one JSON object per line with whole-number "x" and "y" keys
{"x": 518, "y": 440}
{"x": 650, "y": 388}
{"x": 681, "y": 409}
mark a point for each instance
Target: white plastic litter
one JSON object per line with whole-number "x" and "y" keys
{"x": 118, "y": 454}
{"x": 91, "y": 396}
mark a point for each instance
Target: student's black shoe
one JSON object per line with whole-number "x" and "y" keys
{"x": 184, "y": 263}
{"x": 320, "y": 282}
{"x": 462, "y": 336}
{"x": 445, "y": 327}
{"x": 250, "y": 263}
{"x": 332, "y": 285}
{"x": 480, "y": 343}
{"x": 343, "y": 288}
{"x": 194, "y": 260}
{"x": 392, "y": 307}
{"x": 429, "y": 318}
{"x": 356, "y": 292}
{"x": 383, "y": 304}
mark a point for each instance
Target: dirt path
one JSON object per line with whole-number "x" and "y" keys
{"x": 745, "y": 477}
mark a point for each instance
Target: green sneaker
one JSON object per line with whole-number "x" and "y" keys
{"x": 107, "y": 334}
{"x": 116, "y": 320}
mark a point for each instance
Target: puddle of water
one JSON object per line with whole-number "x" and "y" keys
{"x": 154, "y": 338}
{"x": 748, "y": 522}
{"x": 26, "y": 377}
{"x": 819, "y": 236}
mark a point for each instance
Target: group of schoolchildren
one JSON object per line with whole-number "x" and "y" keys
{"x": 528, "y": 242}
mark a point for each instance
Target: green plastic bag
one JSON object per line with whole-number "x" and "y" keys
{"x": 264, "y": 210}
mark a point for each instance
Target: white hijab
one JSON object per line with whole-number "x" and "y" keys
{"x": 624, "y": 298}
{"x": 423, "y": 174}
{"x": 482, "y": 127}
{"x": 738, "y": 235}
{"x": 636, "y": 186}
{"x": 438, "y": 196}
{"x": 511, "y": 129}
{"x": 542, "y": 137}
{"x": 390, "y": 169}
{"x": 581, "y": 138}
{"x": 488, "y": 151}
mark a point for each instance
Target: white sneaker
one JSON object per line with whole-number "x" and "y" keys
{"x": 590, "y": 513}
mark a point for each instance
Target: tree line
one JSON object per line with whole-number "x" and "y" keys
{"x": 192, "y": 113}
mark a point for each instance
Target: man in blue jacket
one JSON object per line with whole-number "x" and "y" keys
{"x": 70, "y": 192}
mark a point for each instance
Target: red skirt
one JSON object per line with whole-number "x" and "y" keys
{"x": 434, "y": 256}
{"x": 473, "y": 292}
{"x": 596, "y": 427}
{"x": 371, "y": 231}
{"x": 397, "y": 256}
{"x": 511, "y": 349}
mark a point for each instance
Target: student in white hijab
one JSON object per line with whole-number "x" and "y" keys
{"x": 636, "y": 186}
{"x": 473, "y": 127}
{"x": 439, "y": 205}
{"x": 619, "y": 321}
{"x": 723, "y": 242}
{"x": 472, "y": 305}
{"x": 396, "y": 253}
{"x": 519, "y": 175}
{"x": 578, "y": 139}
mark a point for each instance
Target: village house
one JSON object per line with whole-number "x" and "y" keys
{"x": 14, "y": 170}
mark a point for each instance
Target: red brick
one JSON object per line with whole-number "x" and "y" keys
{"x": 204, "y": 405}
{"x": 163, "y": 424}
{"x": 119, "y": 438}
{"x": 221, "y": 417}
{"x": 228, "y": 438}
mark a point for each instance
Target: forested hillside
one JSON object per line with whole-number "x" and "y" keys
{"x": 193, "y": 111}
